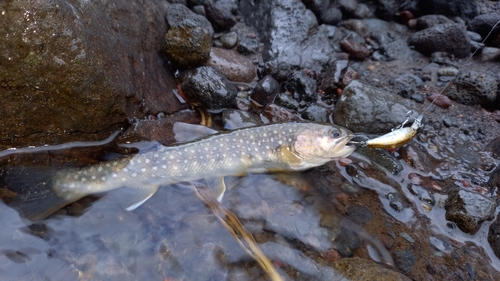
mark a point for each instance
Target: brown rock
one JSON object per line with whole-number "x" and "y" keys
{"x": 440, "y": 100}
{"x": 75, "y": 72}
{"x": 236, "y": 67}
{"x": 357, "y": 51}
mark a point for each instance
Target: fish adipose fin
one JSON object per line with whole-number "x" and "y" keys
{"x": 35, "y": 198}
{"x": 184, "y": 132}
{"x": 131, "y": 197}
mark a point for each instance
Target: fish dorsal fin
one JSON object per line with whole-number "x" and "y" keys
{"x": 289, "y": 157}
{"x": 185, "y": 132}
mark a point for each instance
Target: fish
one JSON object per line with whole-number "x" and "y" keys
{"x": 293, "y": 146}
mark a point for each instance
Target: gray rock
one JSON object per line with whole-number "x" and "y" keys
{"x": 248, "y": 46}
{"x": 473, "y": 88}
{"x": 188, "y": 39}
{"x": 74, "y": 71}
{"x": 332, "y": 80}
{"x": 290, "y": 33}
{"x": 285, "y": 100}
{"x": 448, "y": 37}
{"x": 316, "y": 113}
{"x": 483, "y": 24}
{"x": 332, "y": 15}
{"x": 229, "y": 40}
{"x": 209, "y": 87}
{"x": 220, "y": 13}
{"x": 490, "y": 54}
{"x": 404, "y": 260}
{"x": 362, "y": 11}
{"x": 303, "y": 87}
{"x": 468, "y": 209}
{"x": 363, "y": 108}
{"x": 428, "y": 21}
{"x": 386, "y": 9}
{"x": 348, "y": 5}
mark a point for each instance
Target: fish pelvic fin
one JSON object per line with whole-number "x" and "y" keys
{"x": 132, "y": 197}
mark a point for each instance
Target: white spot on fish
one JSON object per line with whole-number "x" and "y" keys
{"x": 99, "y": 169}
{"x": 83, "y": 179}
{"x": 265, "y": 135}
{"x": 143, "y": 170}
{"x": 93, "y": 177}
{"x": 134, "y": 175}
{"x": 280, "y": 142}
{"x": 75, "y": 177}
{"x": 155, "y": 168}
{"x": 164, "y": 166}
{"x": 125, "y": 169}
{"x": 114, "y": 175}
{"x": 72, "y": 185}
{"x": 107, "y": 165}
{"x": 103, "y": 178}
{"x": 139, "y": 161}
{"x": 156, "y": 155}
{"x": 267, "y": 146}
{"x": 175, "y": 168}
{"x": 147, "y": 161}
{"x": 115, "y": 163}
{"x": 275, "y": 131}
{"x": 132, "y": 162}
{"x": 124, "y": 179}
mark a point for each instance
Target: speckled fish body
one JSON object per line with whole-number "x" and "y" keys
{"x": 276, "y": 147}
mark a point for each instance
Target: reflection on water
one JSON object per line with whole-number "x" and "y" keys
{"x": 306, "y": 224}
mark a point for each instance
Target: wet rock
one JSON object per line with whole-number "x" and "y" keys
{"x": 318, "y": 7}
{"x": 465, "y": 9}
{"x": 346, "y": 242}
{"x": 290, "y": 33}
{"x": 494, "y": 236}
{"x": 276, "y": 114}
{"x": 408, "y": 84}
{"x": 236, "y": 119}
{"x": 236, "y": 67}
{"x": 199, "y": 9}
{"x": 229, "y": 40}
{"x": 349, "y": 75}
{"x": 389, "y": 35}
{"x": 397, "y": 202}
{"x": 265, "y": 91}
{"x": 331, "y": 80}
{"x": 386, "y": 9}
{"x": 220, "y": 13}
{"x": 473, "y": 88}
{"x": 443, "y": 58}
{"x": 157, "y": 129}
{"x": 404, "y": 260}
{"x": 490, "y": 54}
{"x": 359, "y": 214}
{"x": 447, "y": 71}
{"x": 449, "y": 37}
{"x": 427, "y": 21}
{"x": 302, "y": 86}
{"x": 188, "y": 39}
{"x": 67, "y": 76}
{"x": 366, "y": 270}
{"x": 423, "y": 194}
{"x": 363, "y": 108}
{"x": 287, "y": 101}
{"x": 468, "y": 209}
{"x": 248, "y": 46}
{"x": 483, "y": 24}
{"x": 316, "y": 113}
{"x": 357, "y": 51}
{"x": 209, "y": 87}
{"x": 494, "y": 181}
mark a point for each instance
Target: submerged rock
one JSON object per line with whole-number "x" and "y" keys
{"x": 265, "y": 91}
{"x": 366, "y": 270}
{"x": 468, "y": 209}
{"x": 75, "y": 72}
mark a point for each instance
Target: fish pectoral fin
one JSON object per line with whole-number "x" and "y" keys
{"x": 131, "y": 197}
{"x": 217, "y": 186}
{"x": 289, "y": 157}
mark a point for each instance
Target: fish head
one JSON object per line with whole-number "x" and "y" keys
{"x": 318, "y": 144}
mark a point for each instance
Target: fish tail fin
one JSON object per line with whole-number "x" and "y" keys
{"x": 36, "y": 198}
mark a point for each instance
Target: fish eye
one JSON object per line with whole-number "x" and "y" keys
{"x": 334, "y": 133}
